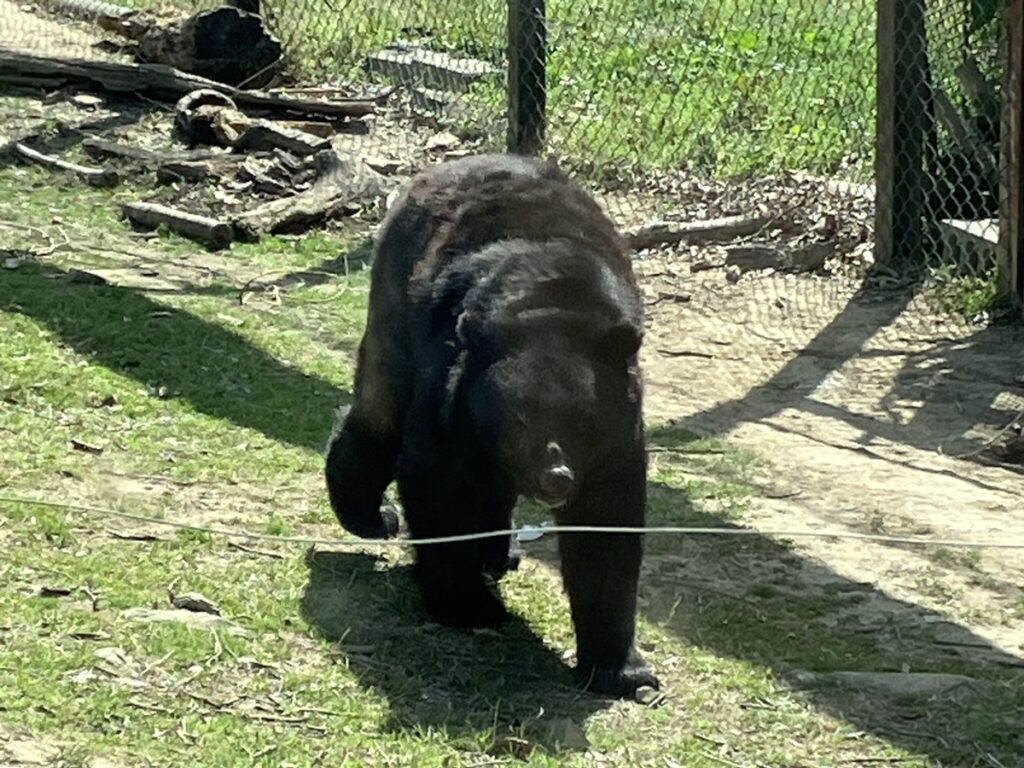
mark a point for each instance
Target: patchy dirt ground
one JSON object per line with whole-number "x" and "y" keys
{"x": 23, "y": 30}
{"x": 874, "y": 416}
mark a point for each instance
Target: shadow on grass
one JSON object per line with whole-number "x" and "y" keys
{"x": 217, "y": 371}
{"x": 435, "y": 678}
{"x": 748, "y": 598}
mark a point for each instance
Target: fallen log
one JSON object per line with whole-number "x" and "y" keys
{"x": 94, "y": 177}
{"x": 696, "y": 232}
{"x": 342, "y": 184}
{"x": 263, "y": 135}
{"x": 182, "y": 170}
{"x": 163, "y": 82}
{"x": 214, "y": 233}
{"x": 754, "y": 256}
{"x": 225, "y": 44}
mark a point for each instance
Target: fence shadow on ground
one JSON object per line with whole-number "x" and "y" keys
{"x": 749, "y": 598}
{"x": 952, "y": 384}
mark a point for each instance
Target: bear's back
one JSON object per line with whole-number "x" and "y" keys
{"x": 480, "y": 200}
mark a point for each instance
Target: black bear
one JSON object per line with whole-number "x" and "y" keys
{"x": 500, "y": 359}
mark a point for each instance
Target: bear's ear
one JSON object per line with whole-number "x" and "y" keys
{"x": 620, "y": 342}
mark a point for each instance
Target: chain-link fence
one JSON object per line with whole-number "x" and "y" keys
{"x": 944, "y": 155}
{"x": 643, "y": 99}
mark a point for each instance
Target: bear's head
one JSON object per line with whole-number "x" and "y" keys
{"x": 552, "y": 396}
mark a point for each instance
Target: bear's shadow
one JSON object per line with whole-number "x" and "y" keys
{"x": 463, "y": 682}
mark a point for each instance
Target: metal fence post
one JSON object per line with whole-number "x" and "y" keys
{"x": 904, "y": 118}
{"x": 527, "y": 76}
{"x": 1011, "y": 163}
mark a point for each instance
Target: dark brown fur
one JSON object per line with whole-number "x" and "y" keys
{"x": 499, "y": 360}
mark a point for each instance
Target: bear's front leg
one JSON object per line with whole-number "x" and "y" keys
{"x": 440, "y": 498}
{"x": 600, "y": 572}
{"x": 358, "y": 468}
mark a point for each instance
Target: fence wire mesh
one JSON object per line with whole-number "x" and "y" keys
{"x": 941, "y": 180}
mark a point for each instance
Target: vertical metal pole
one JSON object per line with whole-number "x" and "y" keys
{"x": 527, "y": 76}
{"x": 1011, "y": 162}
{"x": 903, "y": 119}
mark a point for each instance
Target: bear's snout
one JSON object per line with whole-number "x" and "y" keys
{"x": 557, "y": 479}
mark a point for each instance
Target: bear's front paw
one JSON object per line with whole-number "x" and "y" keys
{"x": 620, "y": 681}
{"x": 474, "y": 605}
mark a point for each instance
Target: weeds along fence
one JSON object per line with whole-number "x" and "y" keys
{"x": 686, "y": 107}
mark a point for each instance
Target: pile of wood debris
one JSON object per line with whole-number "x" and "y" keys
{"x": 269, "y": 156}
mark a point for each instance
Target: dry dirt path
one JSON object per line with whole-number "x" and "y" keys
{"x": 858, "y": 404}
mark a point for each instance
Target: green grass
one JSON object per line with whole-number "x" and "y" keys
{"x": 214, "y": 413}
{"x": 723, "y": 88}
{"x": 965, "y": 295}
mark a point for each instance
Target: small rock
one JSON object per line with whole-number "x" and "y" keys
{"x": 78, "y": 445}
{"x": 733, "y": 274}
{"x": 12, "y": 263}
{"x": 189, "y": 618}
{"x": 86, "y": 101}
{"x": 648, "y": 696}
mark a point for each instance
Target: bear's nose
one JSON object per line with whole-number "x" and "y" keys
{"x": 557, "y": 479}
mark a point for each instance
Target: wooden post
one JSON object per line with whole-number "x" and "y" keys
{"x": 527, "y": 76}
{"x": 903, "y": 124}
{"x": 1011, "y": 162}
